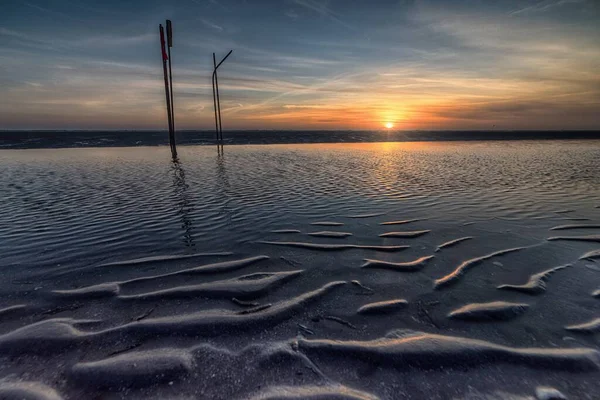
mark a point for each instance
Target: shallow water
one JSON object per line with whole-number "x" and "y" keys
{"x": 72, "y": 218}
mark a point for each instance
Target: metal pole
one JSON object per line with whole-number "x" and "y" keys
{"x": 219, "y": 100}
{"x": 216, "y": 99}
{"x": 215, "y": 96}
{"x": 219, "y": 107}
{"x": 167, "y": 92}
{"x": 169, "y": 45}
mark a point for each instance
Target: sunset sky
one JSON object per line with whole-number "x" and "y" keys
{"x": 303, "y": 64}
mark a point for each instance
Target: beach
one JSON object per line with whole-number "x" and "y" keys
{"x": 386, "y": 270}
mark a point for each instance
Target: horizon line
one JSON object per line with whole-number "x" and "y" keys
{"x": 299, "y": 130}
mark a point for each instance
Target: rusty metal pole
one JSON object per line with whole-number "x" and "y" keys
{"x": 214, "y": 74}
{"x": 167, "y": 91}
{"x": 169, "y": 45}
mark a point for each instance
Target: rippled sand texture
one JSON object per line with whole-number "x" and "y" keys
{"x": 496, "y": 310}
{"x": 346, "y": 271}
{"x": 536, "y": 283}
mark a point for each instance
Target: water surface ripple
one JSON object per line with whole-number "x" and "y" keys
{"x": 363, "y": 271}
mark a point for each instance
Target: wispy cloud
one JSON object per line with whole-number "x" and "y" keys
{"x": 322, "y": 8}
{"x": 211, "y": 25}
{"x": 296, "y": 106}
{"x": 23, "y": 39}
{"x": 114, "y": 40}
{"x": 52, "y": 12}
{"x": 106, "y": 41}
{"x": 544, "y": 5}
{"x": 210, "y": 3}
{"x": 292, "y": 14}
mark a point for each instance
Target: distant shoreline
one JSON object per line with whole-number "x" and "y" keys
{"x": 72, "y": 139}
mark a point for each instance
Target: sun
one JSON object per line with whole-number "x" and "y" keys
{"x": 389, "y": 125}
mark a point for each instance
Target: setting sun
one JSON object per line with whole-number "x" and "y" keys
{"x": 389, "y": 125}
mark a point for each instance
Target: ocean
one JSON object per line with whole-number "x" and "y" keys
{"x": 24, "y": 139}
{"x": 366, "y": 268}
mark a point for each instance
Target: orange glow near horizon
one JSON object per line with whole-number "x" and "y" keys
{"x": 537, "y": 69}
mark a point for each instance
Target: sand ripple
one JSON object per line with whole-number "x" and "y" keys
{"x": 241, "y": 287}
{"x": 27, "y": 391}
{"x": 330, "y": 234}
{"x": 548, "y": 393}
{"x": 215, "y": 322}
{"x": 536, "y": 283}
{"x": 114, "y": 288}
{"x": 466, "y": 265}
{"x": 327, "y": 223}
{"x": 371, "y": 215}
{"x": 336, "y": 247}
{"x": 580, "y": 226}
{"x": 55, "y": 334}
{"x": 331, "y": 392}
{"x": 408, "y": 266}
{"x": 400, "y": 222}
{"x": 404, "y": 349}
{"x": 382, "y": 307}
{"x": 496, "y": 310}
{"x": 163, "y": 258}
{"x": 588, "y": 238}
{"x": 410, "y": 234}
{"x": 135, "y": 369}
{"x": 591, "y": 255}
{"x": 50, "y": 335}
{"x": 592, "y": 326}
{"x": 12, "y": 310}
{"x": 453, "y": 242}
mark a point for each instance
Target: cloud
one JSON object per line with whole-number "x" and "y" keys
{"x": 52, "y": 12}
{"x": 520, "y": 114}
{"x": 544, "y": 5}
{"x": 96, "y": 41}
{"x": 211, "y": 25}
{"x": 321, "y": 7}
{"x": 292, "y": 14}
{"x": 425, "y": 66}
{"x": 114, "y": 40}
{"x": 296, "y": 106}
{"x": 506, "y": 47}
{"x": 22, "y": 39}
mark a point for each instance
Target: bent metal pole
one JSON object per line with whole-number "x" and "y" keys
{"x": 216, "y": 99}
{"x": 165, "y": 57}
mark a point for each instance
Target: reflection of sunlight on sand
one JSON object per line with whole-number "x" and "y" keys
{"x": 383, "y": 147}
{"x": 382, "y": 164}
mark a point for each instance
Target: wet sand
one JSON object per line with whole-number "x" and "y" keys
{"x": 275, "y": 273}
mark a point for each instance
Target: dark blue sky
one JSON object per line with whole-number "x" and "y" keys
{"x": 337, "y": 64}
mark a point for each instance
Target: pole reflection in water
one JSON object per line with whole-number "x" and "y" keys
{"x": 222, "y": 183}
{"x": 185, "y": 206}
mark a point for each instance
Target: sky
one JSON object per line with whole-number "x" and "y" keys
{"x": 303, "y": 64}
